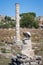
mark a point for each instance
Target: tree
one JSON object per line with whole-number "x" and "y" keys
{"x": 7, "y": 18}
{"x": 32, "y": 13}
{"x": 36, "y": 24}
{"x": 26, "y": 20}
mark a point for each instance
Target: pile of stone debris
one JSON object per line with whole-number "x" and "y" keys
{"x": 21, "y": 59}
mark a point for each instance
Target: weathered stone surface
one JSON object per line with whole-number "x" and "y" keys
{"x": 21, "y": 59}
{"x": 27, "y": 45}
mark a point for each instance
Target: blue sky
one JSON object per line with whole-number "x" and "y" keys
{"x": 7, "y": 7}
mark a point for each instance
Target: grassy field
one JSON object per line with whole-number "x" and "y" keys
{"x": 8, "y": 34}
{"x": 4, "y": 61}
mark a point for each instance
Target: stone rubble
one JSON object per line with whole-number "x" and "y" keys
{"x": 21, "y": 59}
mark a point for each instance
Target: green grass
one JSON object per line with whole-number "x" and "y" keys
{"x": 39, "y": 49}
{"x": 4, "y": 61}
{"x": 2, "y": 44}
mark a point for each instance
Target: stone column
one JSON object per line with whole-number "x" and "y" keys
{"x": 17, "y": 24}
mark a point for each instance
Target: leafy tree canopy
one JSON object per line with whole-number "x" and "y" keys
{"x": 28, "y": 20}
{"x": 7, "y": 18}
{"x": 30, "y": 13}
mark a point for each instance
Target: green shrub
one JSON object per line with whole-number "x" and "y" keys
{"x": 3, "y": 50}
